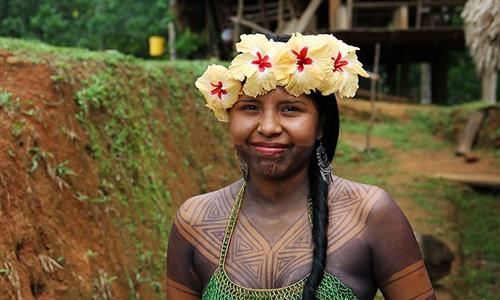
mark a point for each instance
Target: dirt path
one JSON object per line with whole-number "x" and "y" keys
{"x": 408, "y": 167}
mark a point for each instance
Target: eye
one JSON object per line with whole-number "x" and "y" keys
{"x": 249, "y": 107}
{"x": 289, "y": 108}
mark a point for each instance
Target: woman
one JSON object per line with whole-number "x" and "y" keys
{"x": 290, "y": 229}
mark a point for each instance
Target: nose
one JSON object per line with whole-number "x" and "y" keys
{"x": 269, "y": 125}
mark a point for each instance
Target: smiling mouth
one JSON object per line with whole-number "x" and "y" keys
{"x": 270, "y": 149}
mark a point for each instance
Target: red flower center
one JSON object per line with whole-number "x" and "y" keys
{"x": 262, "y": 62}
{"x": 218, "y": 90}
{"x": 338, "y": 63}
{"x": 302, "y": 59}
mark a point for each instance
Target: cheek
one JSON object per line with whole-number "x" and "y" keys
{"x": 304, "y": 134}
{"x": 240, "y": 129}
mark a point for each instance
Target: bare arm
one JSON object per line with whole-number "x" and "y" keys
{"x": 182, "y": 282}
{"x": 397, "y": 262}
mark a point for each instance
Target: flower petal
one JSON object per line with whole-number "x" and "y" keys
{"x": 260, "y": 83}
{"x": 242, "y": 66}
{"x": 251, "y": 43}
{"x": 218, "y": 87}
{"x": 349, "y": 85}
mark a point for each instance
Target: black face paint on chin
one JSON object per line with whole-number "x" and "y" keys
{"x": 291, "y": 161}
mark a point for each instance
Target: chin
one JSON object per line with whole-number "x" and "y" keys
{"x": 273, "y": 169}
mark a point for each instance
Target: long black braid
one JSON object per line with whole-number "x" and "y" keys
{"x": 318, "y": 189}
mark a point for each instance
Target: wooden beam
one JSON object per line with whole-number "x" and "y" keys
{"x": 307, "y": 15}
{"x": 251, "y": 24}
{"x": 389, "y": 4}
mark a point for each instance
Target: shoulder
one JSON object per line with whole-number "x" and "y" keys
{"x": 351, "y": 204}
{"x": 202, "y": 219}
{"x": 207, "y": 207}
{"x": 345, "y": 194}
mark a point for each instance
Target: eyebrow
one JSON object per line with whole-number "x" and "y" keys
{"x": 293, "y": 101}
{"x": 248, "y": 100}
{"x": 287, "y": 101}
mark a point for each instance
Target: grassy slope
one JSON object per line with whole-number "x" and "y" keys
{"x": 152, "y": 140}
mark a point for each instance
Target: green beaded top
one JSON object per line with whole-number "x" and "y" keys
{"x": 221, "y": 287}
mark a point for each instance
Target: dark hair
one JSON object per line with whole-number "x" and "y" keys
{"x": 318, "y": 189}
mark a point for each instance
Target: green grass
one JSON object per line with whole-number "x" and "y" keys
{"x": 479, "y": 232}
{"x": 405, "y": 135}
{"x": 477, "y": 227}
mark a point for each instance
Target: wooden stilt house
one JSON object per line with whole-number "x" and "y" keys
{"x": 409, "y": 32}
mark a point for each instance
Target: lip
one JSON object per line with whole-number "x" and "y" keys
{"x": 270, "y": 149}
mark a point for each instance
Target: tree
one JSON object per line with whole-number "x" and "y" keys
{"x": 124, "y": 25}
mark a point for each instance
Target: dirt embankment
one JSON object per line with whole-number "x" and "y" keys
{"x": 95, "y": 154}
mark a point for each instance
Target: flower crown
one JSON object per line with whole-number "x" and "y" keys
{"x": 303, "y": 64}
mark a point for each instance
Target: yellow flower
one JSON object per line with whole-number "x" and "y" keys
{"x": 260, "y": 62}
{"x": 220, "y": 90}
{"x": 345, "y": 67}
{"x": 311, "y": 63}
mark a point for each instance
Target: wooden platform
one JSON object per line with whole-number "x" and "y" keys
{"x": 478, "y": 180}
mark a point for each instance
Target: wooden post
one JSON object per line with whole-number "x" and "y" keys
{"x": 333, "y": 6}
{"x": 239, "y": 15}
{"x": 392, "y": 78}
{"x": 171, "y": 32}
{"x": 439, "y": 77}
{"x": 425, "y": 83}
{"x": 263, "y": 13}
{"x": 281, "y": 22}
{"x": 373, "y": 94}
{"x": 291, "y": 8}
{"x": 489, "y": 86}
{"x": 404, "y": 82}
{"x": 400, "y": 17}
{"x": 418, "y": 21}
{"x": 349, "y": 14}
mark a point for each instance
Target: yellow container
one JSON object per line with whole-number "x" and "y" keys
{"x": 156, "y": 45}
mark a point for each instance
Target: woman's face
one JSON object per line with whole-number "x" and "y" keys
{"x": 274, "y": 133}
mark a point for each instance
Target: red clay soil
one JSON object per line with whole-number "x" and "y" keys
{"x": 40, "y": 217}
{"x": 52, "y": 245}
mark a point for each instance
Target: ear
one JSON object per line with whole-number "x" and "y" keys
{"x": 319, "y": 132}
{"x": 319, "y": 135}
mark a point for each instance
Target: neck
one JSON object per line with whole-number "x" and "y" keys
{"x": 265, "y": 191}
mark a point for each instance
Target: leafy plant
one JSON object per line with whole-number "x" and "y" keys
{"x": 62, "y": 170}
{"x": 17, "y": 128}
{"x": 37, "y": 154}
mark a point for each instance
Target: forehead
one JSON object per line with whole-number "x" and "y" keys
{"x": 278, "y": 94}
